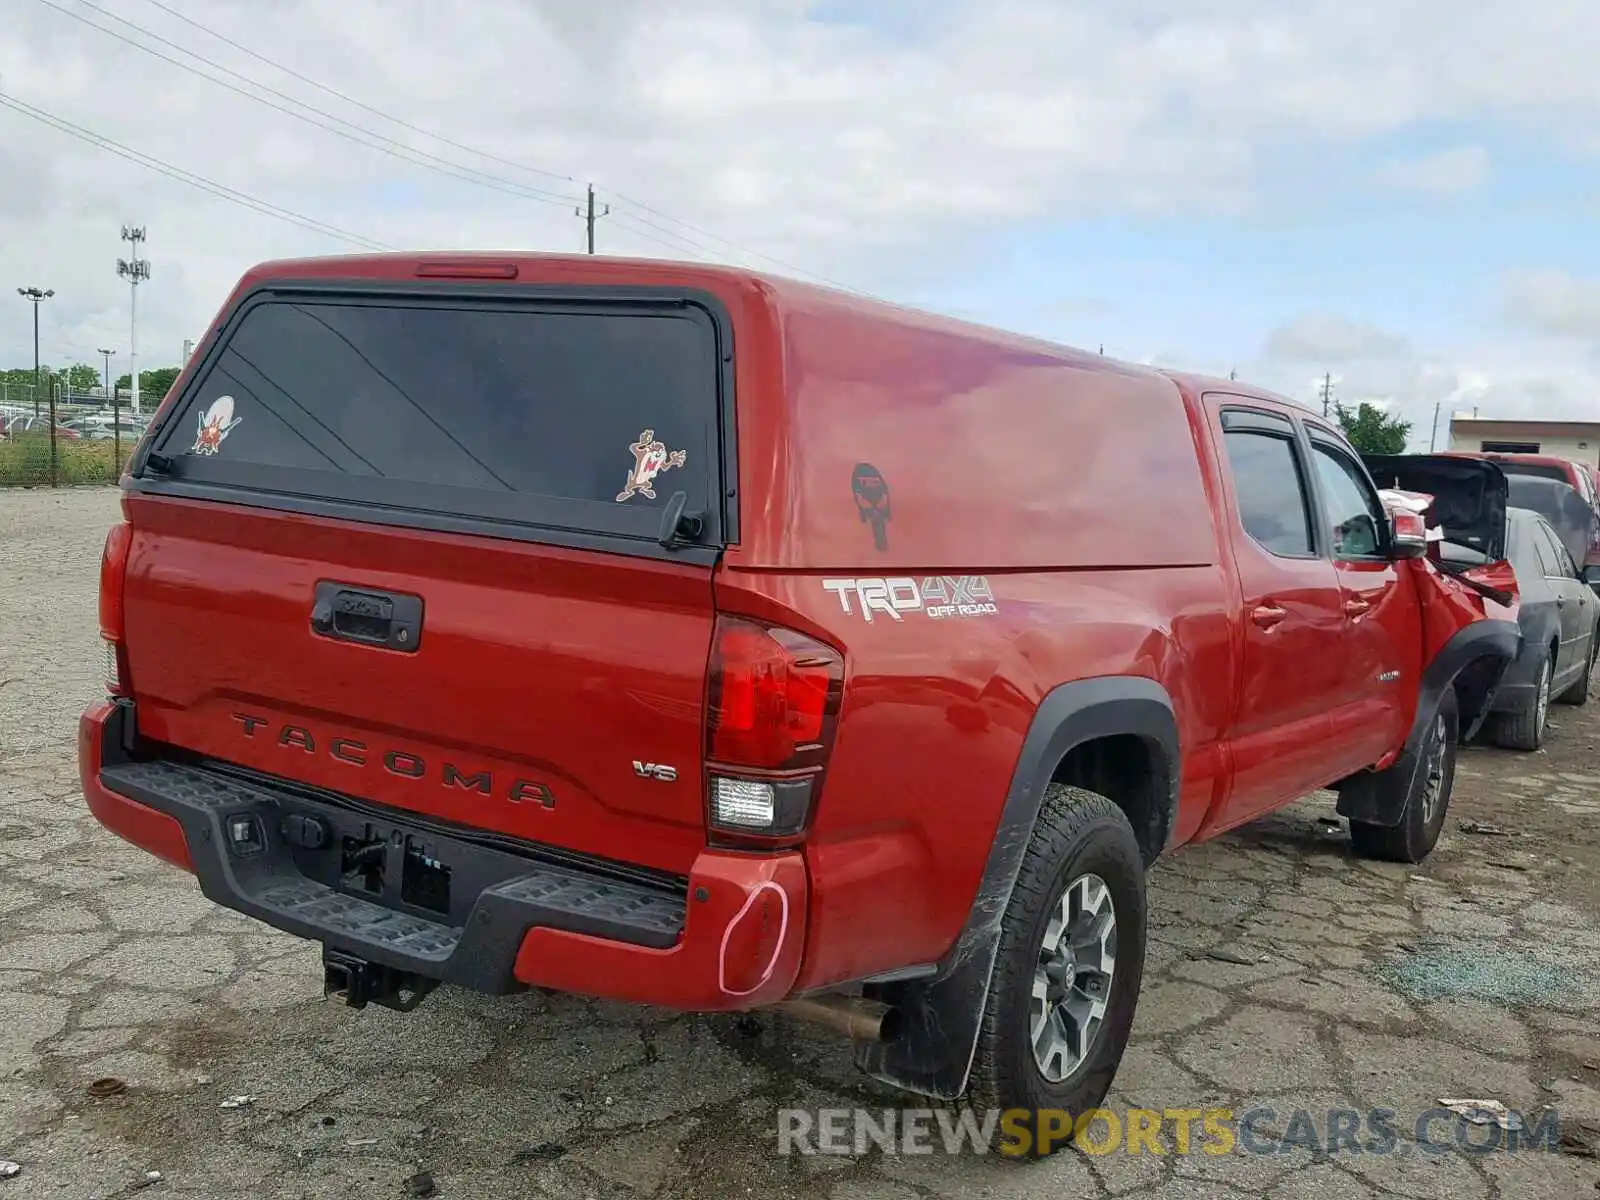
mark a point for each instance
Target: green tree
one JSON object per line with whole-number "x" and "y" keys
{"x": 83, "y": 376}
{"x": 18, "y": 384}
{"x": 23, "y": 376}
{"x": 1371, "y": 430}
{"x": 153, "y": 385}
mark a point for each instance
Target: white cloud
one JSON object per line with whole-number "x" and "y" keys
{"x": 1447, "y": 173}
{"x": 1556, "y": 303}
{"x": 872, "y": 151}
{"x": 1330, "y": 340}
{"x": 1503, "y": 380}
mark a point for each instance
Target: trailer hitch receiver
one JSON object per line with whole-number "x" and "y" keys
{"x": 358, "y": 982}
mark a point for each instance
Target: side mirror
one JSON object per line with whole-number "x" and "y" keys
{"x": 1408, "y": 534}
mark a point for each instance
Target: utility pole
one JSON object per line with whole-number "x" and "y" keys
{"x": 135, "y": 270}
{"x": 591, "y": 216}
{"x": 1327, "y": 392}
{"x": 1433, "y": 433}
{"x": 1233, "y": 373}
{"x": 37, "y": 297}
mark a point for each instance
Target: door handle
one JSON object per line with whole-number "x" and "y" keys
{"x": 1354, "y": 608}
{"x": 1268, "y": 615}
{"x": 348, "y": 613}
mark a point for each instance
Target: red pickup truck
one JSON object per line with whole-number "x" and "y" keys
{"x": 679, "y": 635}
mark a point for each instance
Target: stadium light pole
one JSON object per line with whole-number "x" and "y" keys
{"x": 37, "y": 297}
{"x": 135, "y": 270}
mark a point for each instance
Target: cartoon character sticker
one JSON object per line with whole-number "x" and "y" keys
{"x": 214, "y": 424}
{"x": 650, "y": 458}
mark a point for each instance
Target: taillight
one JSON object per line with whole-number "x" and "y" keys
{"x": 113, "y": 572}
{"x": 773, "y": 700}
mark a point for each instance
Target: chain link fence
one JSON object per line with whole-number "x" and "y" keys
{"x": 91, "y": 444}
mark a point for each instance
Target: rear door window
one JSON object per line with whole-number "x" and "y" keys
{"x": 1558, "y": 560}
{"x": 583, "y": 417}
{"x": 1544, "y": 549}
{"x": 1271, "y": 491}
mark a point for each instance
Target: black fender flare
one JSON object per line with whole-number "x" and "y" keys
{"x": 1380, "y": 797}
{"x": 942, "y": 1012}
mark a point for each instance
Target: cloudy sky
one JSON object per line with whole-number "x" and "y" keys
{"x": 1404, "y": 195}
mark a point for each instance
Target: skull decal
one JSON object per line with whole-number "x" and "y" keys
{"x": 871, "y": 493}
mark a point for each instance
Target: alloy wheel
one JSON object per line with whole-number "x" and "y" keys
{"x": 1072, "y": 982}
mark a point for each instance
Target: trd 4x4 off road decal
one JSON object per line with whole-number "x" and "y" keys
{"x": 937, "y": 596}
{"x": 214, "y": 424}
{"x": 650, "y": 458}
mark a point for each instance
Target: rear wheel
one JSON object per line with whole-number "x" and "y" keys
{"x": 1524, "y": 729}
{"x": 1071, "y": 958}
{"x": 1428, "y": 801}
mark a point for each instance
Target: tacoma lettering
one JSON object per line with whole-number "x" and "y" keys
{"x": 402, "y": 764}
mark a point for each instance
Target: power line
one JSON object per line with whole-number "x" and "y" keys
{"x": 777, "y": 262}
{"x": 221, "y": 191}
{"x": 351, "y": 100}
{"x": 362, "y": 137}
{"x": 461, "y": 146}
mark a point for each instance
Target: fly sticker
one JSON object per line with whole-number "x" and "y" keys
{"x": 938, "y": 597}
{"x": 214, "y": 425}
{"x": 650, "y": 458}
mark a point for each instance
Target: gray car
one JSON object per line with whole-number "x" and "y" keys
{"x": 1558, "y": 614}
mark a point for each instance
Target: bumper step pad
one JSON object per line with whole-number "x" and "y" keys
{"x": 501, "y": 894}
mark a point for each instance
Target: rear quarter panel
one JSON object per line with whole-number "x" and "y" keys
{"x": 933, "y": 720}
{"x": 1078, "y": 490}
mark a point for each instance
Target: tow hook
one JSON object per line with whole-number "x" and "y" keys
{"x": 358, "y": 982}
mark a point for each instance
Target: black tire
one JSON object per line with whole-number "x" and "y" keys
{"x": 1079, "y": 834}
{"x": 1433, "y": 776}
{"x": 1578, "y": 694}
{"x": 1524, "y": 729}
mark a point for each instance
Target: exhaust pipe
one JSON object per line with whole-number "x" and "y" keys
{"x": 857, "y": 1018}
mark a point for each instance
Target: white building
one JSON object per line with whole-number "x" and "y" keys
{"x": 1577, "y": 440}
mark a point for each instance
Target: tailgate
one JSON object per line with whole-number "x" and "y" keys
{"x": 410, "y": 549}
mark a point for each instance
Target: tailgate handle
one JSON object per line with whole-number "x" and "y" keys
{"x": 348, "y": 613}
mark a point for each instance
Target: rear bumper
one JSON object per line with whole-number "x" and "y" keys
{"x": 731, "y": 938}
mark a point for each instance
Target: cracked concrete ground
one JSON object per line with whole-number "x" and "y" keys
{"x": 1283, "y": 974}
